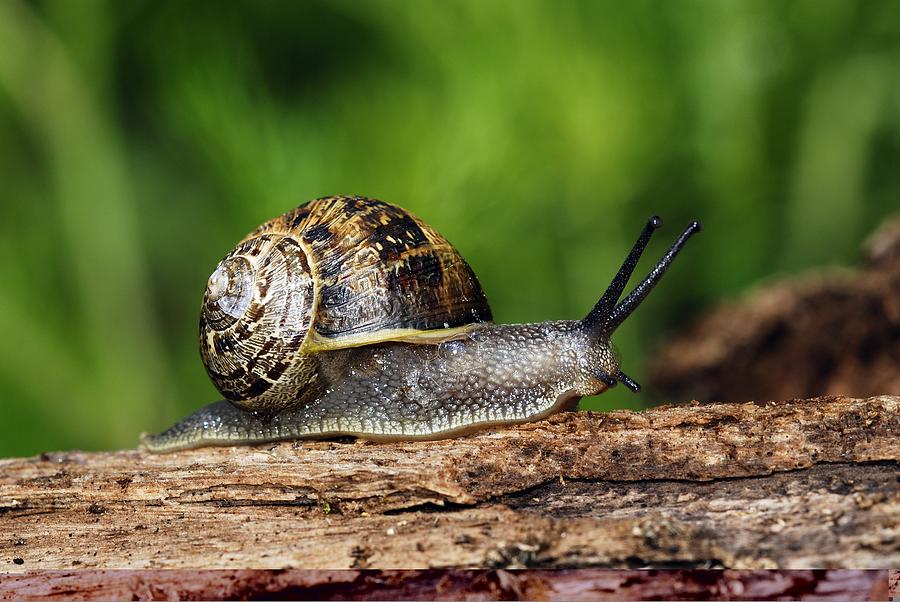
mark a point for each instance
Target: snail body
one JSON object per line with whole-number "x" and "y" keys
{"x": 349, "y": 316}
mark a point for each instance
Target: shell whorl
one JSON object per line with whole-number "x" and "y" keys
{"x": 256, "y": 314}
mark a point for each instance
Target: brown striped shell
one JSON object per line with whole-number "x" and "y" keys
{"x": 336, "y": 272}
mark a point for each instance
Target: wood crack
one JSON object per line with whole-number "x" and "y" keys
{"x": 804, "y": 483}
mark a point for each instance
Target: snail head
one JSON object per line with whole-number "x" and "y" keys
{"x": 610, "y": 312}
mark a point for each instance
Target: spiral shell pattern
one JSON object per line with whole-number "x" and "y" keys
{"x": 256, "y": 314}
{"x": 335, "y": 273}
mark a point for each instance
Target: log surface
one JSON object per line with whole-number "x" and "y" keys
{"x": 794, "y": 484}
{"x": 839, "y": 585}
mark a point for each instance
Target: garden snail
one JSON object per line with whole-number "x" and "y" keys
{"x": 350, "y": 316}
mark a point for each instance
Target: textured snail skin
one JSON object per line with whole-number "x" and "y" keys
{"x": 400, "y": 391}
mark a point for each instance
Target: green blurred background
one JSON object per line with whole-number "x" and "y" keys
{"x": 140, "y": 140}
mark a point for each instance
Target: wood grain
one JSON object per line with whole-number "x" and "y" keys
{"x": 794, "y": 484}
{"x": 491, "y": 584}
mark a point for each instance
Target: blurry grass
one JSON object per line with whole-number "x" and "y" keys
{"x": 140, "y": 140}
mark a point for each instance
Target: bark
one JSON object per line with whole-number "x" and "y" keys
{"x": 796, "y": 484}
{"x": 573, "y": 585}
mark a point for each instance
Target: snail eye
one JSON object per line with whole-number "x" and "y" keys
{"x": 231, "y": 286}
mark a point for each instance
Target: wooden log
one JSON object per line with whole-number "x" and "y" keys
{"x": 839, "y": 585}
{"x": 794, "y": 484}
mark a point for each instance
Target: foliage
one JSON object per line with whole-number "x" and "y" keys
{"x": 139, "y": 140}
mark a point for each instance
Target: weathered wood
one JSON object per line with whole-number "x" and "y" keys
{"x": 797, "y": 484}
{"x": 582, "y": 584}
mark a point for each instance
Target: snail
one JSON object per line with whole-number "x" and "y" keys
{"x": 349, "y": 316}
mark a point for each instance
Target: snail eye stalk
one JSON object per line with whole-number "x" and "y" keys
{"x": 640, "y": 292}
{"x": 608, "y": 301}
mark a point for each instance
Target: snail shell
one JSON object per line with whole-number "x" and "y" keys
{"x": 334, "y": 273}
